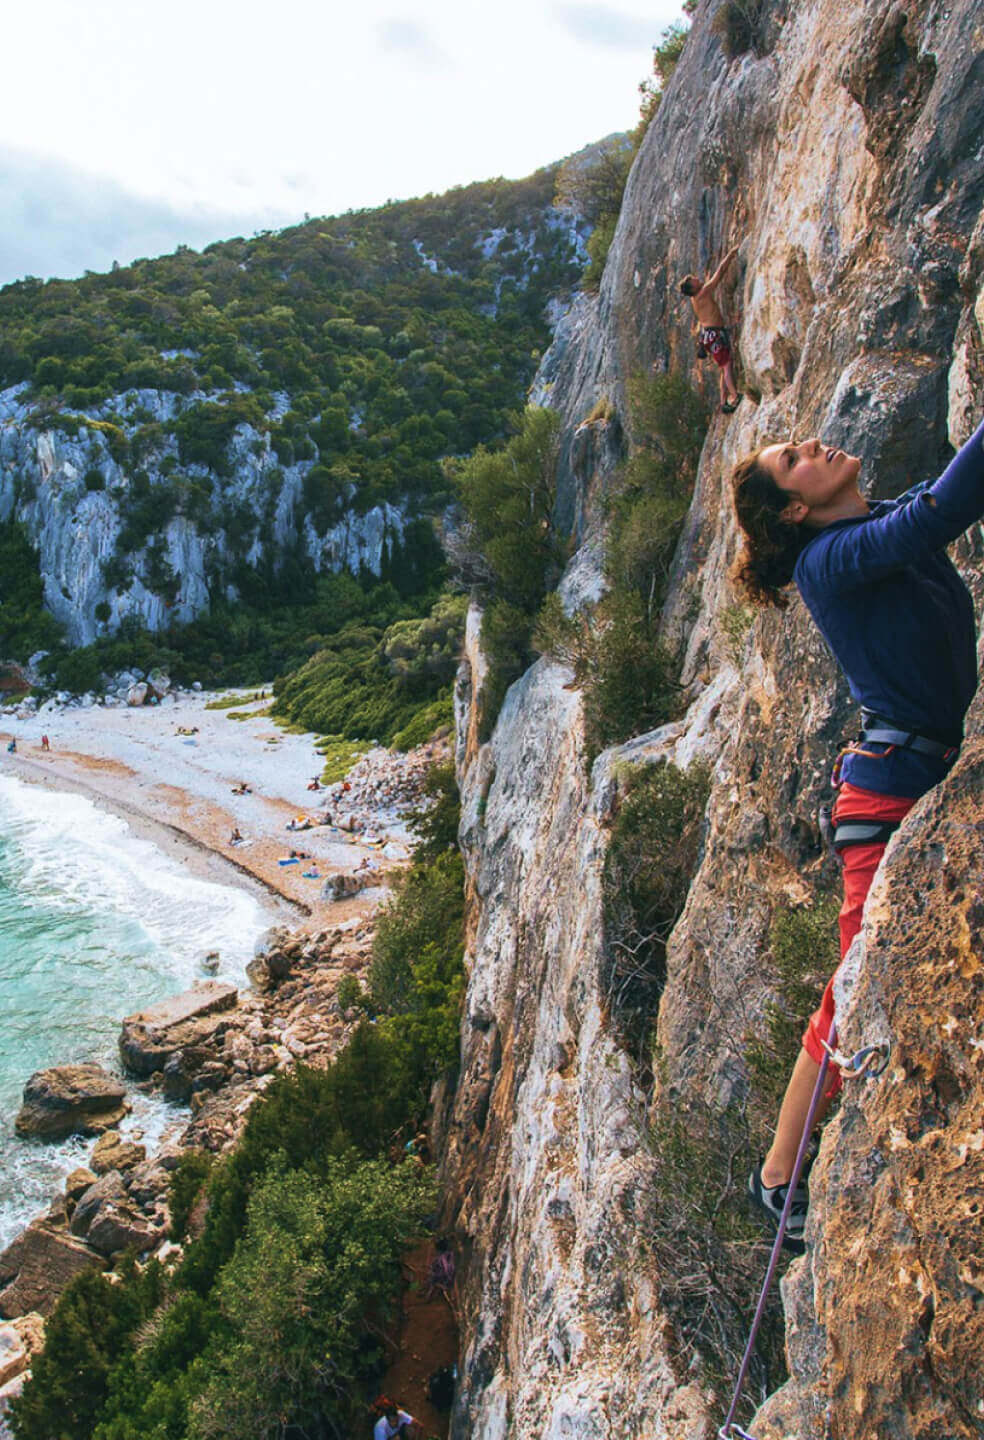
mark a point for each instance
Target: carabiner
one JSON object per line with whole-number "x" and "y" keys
{"x": 864, "y": 1062}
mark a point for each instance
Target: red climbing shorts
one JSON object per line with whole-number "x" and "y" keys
{"x": 716, "y": 342}
{"x": 859, "y": 863}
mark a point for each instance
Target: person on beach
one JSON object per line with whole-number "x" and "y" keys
{"x": 45, "y": 743}
{"x": 713, "y": 338}
{"x": 900, "y": 622}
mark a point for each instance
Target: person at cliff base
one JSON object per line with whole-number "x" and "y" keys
{"x": 393, "y": 1422}
{"x": 877, "y": 581}
{"x": 713, "y": 338}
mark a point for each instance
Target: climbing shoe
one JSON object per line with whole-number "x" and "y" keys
{"x": 772, "y": 1198}
{"x": 730, "y": 406}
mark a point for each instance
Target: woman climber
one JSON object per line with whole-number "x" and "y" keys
{"x": 877, "y": 580}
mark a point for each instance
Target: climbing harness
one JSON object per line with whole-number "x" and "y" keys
{"x": 862, "y": 1063}
{"x": 849, "y": 830}
{"x": 876, "y": 730}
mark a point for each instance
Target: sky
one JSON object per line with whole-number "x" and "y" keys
{"x": 127, "y": 128}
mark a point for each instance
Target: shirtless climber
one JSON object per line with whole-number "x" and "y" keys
{"x": 713, "y": 338}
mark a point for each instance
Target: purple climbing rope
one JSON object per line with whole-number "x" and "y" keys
{"x": 729, "y": 1429}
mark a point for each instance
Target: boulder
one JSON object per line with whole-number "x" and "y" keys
{"x": 265, "y": 971}
{"x": 108, "y": 1189}
{"x": 112, "y": 1152}
{"x": 71, "y": 1100}
{"x": 159, "y": 682}
{"x": 149, "y": 1038}
{"x": 107, "y": 1220}
{"x": 78, "y": 1183}
{"x": 20, "y": 1341}
{"x": 119, "y": 1227}
{"x": 337, "y": 887}
{"x": 147, "y": 1182}
{"x": 136, "y": 695}
{"x": 193, "y": 1068}
{"x": 37, "y": 1266}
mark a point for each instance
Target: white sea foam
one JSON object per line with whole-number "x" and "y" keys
{"x": 95, "y": 922}
{"x": 66, "y": 852}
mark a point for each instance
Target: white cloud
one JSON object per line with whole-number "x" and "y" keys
{"x": 228, "y": 119}
{"x": 60, "y": 220}
{"x": 404, "y": 36}
{"x": 601, "y": 25}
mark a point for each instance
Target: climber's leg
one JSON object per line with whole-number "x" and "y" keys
{"x": 728, "y": 379}
{"x": 778, "y": 1164}
{"x": 858, "y": 863}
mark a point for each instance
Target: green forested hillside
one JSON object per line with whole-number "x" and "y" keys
{"x": 371, "y": 343}
{"x": 361, "y": 351}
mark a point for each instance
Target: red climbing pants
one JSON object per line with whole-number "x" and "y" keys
{"x": 859, "y": 863}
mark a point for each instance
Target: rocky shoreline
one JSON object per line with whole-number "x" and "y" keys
{"x": 213, "y": 1048}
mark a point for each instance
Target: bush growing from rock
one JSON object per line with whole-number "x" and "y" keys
{"x": 707, "y": 1249}
{"x": 804, "y": 951}
{"x": 187, "y": 1179}
{"x": 318, "y": 1254}
{"x": 91, "y": 1328}
{"x": 628, "y": 675}
{"x": 350, "y": 994}
{"x": 739, "y": 23}
{"x": 650, "y": 863}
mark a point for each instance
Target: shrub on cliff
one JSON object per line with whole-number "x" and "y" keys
{"x": 509, "y": 546}
{"x": 318, "y": 1256}
{"x": 804, "y": 953}
{"x": 740, "y": 25}
{"x": 650, "y": 863}
{"x": 24, "y": 625}
{"x": 706, "y": 1248}
{"x": 627, "y": 674}
{"x": 91, "y": 1328}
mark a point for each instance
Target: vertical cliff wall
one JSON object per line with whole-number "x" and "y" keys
{"x": 844, "y": 151}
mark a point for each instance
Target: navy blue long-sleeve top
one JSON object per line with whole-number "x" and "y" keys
{"x": 899, "y": 619}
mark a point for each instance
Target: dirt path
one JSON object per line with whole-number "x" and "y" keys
{"x": 428, "y": 1341}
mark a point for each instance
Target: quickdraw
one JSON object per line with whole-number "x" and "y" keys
{"x": 865, "y": 1064}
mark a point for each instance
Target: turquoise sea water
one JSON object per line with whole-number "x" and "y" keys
{"x": 94, "y": 924}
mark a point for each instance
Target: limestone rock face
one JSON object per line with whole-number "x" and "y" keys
{"x": 76, "y": 532}
{"x": 845, "y": 153}
{"x": 897, "y": 1202}
{"x": 19, "y": 1342}
{"x": 71, "y": 1100}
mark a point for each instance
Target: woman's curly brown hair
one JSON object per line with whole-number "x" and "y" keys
{"x": 772, "y": 544}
